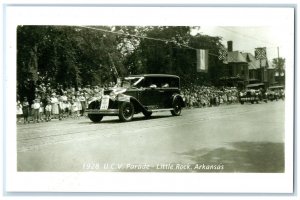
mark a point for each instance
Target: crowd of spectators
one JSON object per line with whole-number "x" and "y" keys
{"x": 207, "y": 96}
{"x": 59, "y": 103}
{"x": 55, "y": 103}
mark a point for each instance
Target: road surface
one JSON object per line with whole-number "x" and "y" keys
{"x": 228, "y": 138}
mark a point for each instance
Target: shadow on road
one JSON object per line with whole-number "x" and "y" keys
{"x": 265, "y": 157}
{"x": 116, "y": 120}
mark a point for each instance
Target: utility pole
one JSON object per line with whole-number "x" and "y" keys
{"x": 279, "y": 69}
{"x": 261, "y": 70}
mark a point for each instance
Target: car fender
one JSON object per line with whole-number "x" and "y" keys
{"x": 138, "y": 106}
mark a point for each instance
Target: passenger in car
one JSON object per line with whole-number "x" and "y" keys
{"x": 166, "y": 85}
{"x": 153, "y": 86}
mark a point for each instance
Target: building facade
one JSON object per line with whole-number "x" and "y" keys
{"x": 241, "y": 69}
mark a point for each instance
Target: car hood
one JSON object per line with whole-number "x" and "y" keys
{"x": 117, "y": 90}
{"x": 111, "y": 92}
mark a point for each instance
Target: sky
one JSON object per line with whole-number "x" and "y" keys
{"x": 246, "y": 39}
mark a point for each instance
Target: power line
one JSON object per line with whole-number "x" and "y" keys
{"x": 144, "y": 37}
{"x": 174, "y": 42}
{"x": 137, "y": 36}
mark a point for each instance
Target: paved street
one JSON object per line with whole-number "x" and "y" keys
{"x": 228, "y": 138}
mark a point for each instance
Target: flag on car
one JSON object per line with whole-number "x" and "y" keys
{"x": 202, "y": 60}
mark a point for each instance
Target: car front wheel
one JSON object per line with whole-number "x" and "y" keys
{"x": 176, "y": 108}
{"x": 126, "y": 111}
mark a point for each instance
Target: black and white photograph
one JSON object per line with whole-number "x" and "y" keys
{"x": 149, "y": 99}
{"x": 121, "y": 101}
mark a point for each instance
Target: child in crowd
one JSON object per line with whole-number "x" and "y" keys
{"x": 48, "y": 110}
{"x": 68, "y": 108}
{"x": 79, "y": 107}
{"x": 41, "y": 112}
{"x": 61, "y": 106}
{"x": 36, "y": 110}
{"x": 74, "y": 109}
{"x": 83, "y": 103}
{"x": 19, "y": 111}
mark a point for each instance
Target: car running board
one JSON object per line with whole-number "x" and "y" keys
{"x": 160, "y": 110}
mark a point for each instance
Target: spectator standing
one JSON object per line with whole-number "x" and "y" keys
{"x": 61, "y": 106}
{"x": 41, "y": 111}
{"x": 26, "y": 110}
{"x": 54, "y": 105}
{"x": 79, "y": 107}
{"x": 83, "y": 103}
{"x": 19, "y": 111}
{"x": 36, "y": 110}
{"x": 74, "y": 109}
{"x": 48, "y": 110}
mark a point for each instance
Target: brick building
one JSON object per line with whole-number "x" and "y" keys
{"x": 243, "y": 69}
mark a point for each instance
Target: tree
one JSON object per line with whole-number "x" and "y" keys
{"x": 173, "y": 50}
{"x": 157, "y": 50}
{"x": 72, "y": 56}
{"x": 65, "y": 55}
{"x": 279, "y": 64}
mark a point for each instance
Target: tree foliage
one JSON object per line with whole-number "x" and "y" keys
{"x": 175, "y": 52}
{"x": 279, "y": 64}
{"x": 72, "y": 56}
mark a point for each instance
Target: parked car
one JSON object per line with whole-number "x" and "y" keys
{"x": 276, "y": 92}
{"x": 254, "y": 93}
{"x": 145, "y": 94}
{"x": 250, "y": 95}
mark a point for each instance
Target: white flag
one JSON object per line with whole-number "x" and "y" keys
{"x": 202, "y": 60}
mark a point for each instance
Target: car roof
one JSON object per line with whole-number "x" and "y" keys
{"x": 155, "y": 75}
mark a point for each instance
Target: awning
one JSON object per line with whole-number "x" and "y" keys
{"x": 254, "y": 85}
{"x": 277, "y": 87}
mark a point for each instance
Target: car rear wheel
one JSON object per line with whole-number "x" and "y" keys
{"x": 176, "y": 108}
{"x": 95, "y": 118}
{"x": 126, "y": 111}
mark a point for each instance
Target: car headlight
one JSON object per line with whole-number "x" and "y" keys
{"x": 113, "y": 94}
{"x": 94, "y": 99}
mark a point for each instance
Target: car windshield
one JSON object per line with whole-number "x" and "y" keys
{"x": 128, "y": 82}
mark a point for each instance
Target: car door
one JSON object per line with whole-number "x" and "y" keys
{"x": 169, "y": 87}
{"x": 150, "y": 95}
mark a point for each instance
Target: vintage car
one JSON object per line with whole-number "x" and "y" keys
{"x": 250, "y": 95}
{"x": 275, "y": 93}
{"x": 253, "y": 93}
{"x": 145, "y": 94}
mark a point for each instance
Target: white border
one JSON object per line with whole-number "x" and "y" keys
{"x": 142, "y": 182}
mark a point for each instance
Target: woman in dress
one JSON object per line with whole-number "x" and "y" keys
{"x": 54, "y": 105}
